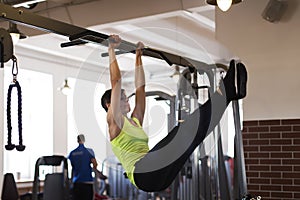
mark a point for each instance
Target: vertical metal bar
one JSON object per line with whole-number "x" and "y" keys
{"x": 216, "y": 164}
{"x": 175, "y": 188}
{"x": 184, "y": 187}
{"x": 216, "y": 135}
{"x": 172, "y": 119}
{"x": 240, "y": 182}
{"x": 195, "y": 171}
{"x": 2, "y": 130}
{"x": 1, "y": 53}
{"x": 223, "y": 179}
{"x": 208, "y": 192}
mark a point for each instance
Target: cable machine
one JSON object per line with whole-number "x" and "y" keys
{"x": 206, "y": 175}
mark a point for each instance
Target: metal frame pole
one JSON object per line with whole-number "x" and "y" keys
{"x": 240, "y": 180}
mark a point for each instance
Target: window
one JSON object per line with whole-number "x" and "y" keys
{"x": 86, "y": 116}
{"x": 37, "y": 120}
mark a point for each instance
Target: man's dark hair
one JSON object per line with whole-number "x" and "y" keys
{"x": 105, "y": 99}
{"x": 80, "y": 138}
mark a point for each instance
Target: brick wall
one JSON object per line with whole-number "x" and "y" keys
{"x": 272, "y": 157}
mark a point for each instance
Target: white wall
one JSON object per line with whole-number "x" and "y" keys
{"x": 271, "y": 54}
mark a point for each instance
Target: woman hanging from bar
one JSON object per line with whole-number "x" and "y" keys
{"x": 155, "y": 169}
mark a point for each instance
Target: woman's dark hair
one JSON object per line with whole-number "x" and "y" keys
{"x": 105, "y": 99}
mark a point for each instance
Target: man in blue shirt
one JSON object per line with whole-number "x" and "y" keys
{"x": 81, "y": 159}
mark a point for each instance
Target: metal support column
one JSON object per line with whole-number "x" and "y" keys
{"x": 225, "y": 190}
{"x": 240, "y": 182}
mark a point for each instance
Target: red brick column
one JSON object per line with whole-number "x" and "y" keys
{"x": 272, "y": 157}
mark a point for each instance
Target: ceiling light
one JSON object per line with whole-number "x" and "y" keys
{"x": 26, "y": 4}
{"x": 15, "y": 34}
{"x": 66, "y": 90}
{"x": 224, "y": 5}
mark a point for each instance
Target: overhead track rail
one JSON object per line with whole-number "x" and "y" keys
{"x": 78, "y": 35}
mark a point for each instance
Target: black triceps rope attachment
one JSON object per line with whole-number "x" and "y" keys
{"x": 16, "y": 84}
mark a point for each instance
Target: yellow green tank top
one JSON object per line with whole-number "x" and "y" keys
{"x": 130, "y": 146}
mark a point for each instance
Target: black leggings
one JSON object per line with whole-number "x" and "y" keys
{"x": 160, "y": 166}
{"x": 83, "y": 191}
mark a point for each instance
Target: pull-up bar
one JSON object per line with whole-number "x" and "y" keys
{"x": 125, "y": 47}
{"x": 78, "y": 35}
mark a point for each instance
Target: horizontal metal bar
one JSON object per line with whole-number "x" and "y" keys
{"x": 161, "y": 94}
{"x": 72, "y": 43}
{"x": 20, "y": 16}
{"x": 77, "y": 34}
{"x": 87, "y": 33}
{"x": 117, "y": 53}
